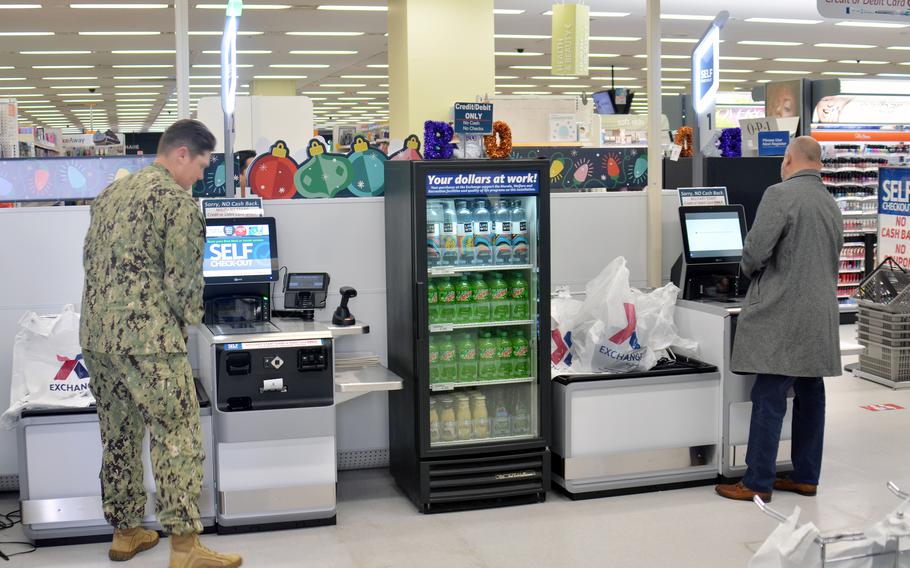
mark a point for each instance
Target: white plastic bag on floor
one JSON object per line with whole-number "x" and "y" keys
{"x": 789, "y": 546}
{"x": 48, "y": 371}
{"x": 620, "y": 329}
{"x": 563, "y": 311}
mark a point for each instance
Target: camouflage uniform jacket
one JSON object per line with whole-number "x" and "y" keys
{"x": 143, "y": 266}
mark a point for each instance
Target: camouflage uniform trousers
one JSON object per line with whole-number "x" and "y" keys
{"x": 135, "y": 392}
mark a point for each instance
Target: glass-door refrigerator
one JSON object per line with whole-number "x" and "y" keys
{"x": 468, "y": 288}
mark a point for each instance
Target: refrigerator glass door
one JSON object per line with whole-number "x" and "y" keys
{"x": 482, "y": 306}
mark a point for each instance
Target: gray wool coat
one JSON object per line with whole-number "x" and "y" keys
{"x": 789, "y": 323}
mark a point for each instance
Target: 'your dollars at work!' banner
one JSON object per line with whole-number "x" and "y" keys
{"x": 894, "y": 215}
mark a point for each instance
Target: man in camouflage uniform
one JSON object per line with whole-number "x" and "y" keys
{"x": 143, "y": 286}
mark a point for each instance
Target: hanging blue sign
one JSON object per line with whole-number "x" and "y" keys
{"x": 773, "y": 143}
{"x": 473, "y": 118}
{"x": 441, "y": 184}
{"x": 705, "y": 67}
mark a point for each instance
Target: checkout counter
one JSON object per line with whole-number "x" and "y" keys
{"x": 268, "y": 391}
{"x": 712, "y": 294}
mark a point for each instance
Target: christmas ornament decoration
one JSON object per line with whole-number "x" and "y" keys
{"x": 271, "y": 175}
{"x": 437, "y": 140}
{"x": 323, "y": 174}
{"x": 410, "y": 150}
{"x": 684, "y": 138}
{"x": 367, "y": 169}
{"x": 731, "y": 143}
{"x": 501, "y": 149}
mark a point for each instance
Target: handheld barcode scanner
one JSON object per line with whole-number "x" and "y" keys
{"x": 342, "y": 314}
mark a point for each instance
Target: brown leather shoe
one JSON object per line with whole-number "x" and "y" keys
{"x": 740, "y": 492}
{"x": 787, "y": 484}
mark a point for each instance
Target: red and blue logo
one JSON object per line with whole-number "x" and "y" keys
{"x": 628, "y": 333}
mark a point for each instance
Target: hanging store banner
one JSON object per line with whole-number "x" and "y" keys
{"x": 894, "y": 215}
{"x": 881, "y": 10}
{"x": 705, "y": 70}
{"x": 569, "y": 47}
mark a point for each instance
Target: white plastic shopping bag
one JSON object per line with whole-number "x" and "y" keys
{"x": 789, "y": 546}
{"x": 563, "y": 311}
{"x": 48, "y": 370}
{"x": 620, "y": 329}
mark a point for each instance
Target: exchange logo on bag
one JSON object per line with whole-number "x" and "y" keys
{"x": 626, "y": 334}
{"x": 67, "y": 368}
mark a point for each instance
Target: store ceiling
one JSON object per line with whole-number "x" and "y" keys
{"x": 135, "y": 91}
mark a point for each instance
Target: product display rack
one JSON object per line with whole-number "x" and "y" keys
{"x": 468, "y": 332}
{"x": 850, "y": 172}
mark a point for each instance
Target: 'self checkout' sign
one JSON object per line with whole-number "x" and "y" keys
{"x": 705, "y": 64}
{"x": 894, "y": 215}
{"x": 473, "y": 118}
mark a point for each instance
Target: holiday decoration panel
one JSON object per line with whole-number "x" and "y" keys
{"x": 57, "y": 179}
{"x": 591, "y": 169}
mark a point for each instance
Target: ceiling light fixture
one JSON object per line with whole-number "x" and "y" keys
{"x": 686, "y": 17}
{"x": 55, "y": 52}
{"x": 843, "y": 73}
{"x": 738, "y": 58}
{"x": 20, "y": 6}
{"x": 794, "y": 21}
{"x": 364, "y": 76}
{"x": 340, "y": 85}
{"x": 241, "y": 52}
{"x": 321, "y": 52}
{"x": 787, "y": 72}
{"x": 140, "y": 78}
{"x": 143, "y": 86}
{"x": 86, "y": 87}
{"x": 245, "y": 7}
{"x": 862, "y": 62}
{"x": 221, "y": 32}
{"x": 614, "y": 38}
{"x": 597, "y": 14}
{"x": 119, "y": 6}
{"x": 772, "y": 43}
{"x": 25, "y": 34}
{"x": 845, "y": 45}
{"x": 520, "y": 36}
{"x": 799, "y": 60}
{"x": 378, "y": 66}
{"x": 518, "y": 54}
{"x": 145, "y": 66}
{"x": 122, "y": 33}
{"x": 299, "y": 66}
{"x": 677, "y": 40}
{"x": 351, "y": 8}
{"x": 858, "y": 24}
{"x": 268, "y": 77}
{"x": 507, "y": 12}
{"x": 67, "y": 79}
{"x": 143, "y": 51}
{"x": 326, "y": 34}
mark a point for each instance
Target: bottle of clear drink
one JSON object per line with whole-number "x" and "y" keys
{"x": 502, "y": 233}
{"x": 434, "y": 233}
{"x": 483, "y": 234}
{"x": 521, "y": 416}
{"x": 434, "y": 422}
{"x": 448, "y": 425}
{"x": 449, "y": 236}
{"x": 502, "y": 425}
{"x": 520, "y": 234}
{"x": 465, "y": 232}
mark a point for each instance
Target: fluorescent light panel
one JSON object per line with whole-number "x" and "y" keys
{"x": 772, "y": 43}
{"x": 55, "y": 52}
{"x": 118, "y": 6}
{"x": 351, "y": 8}
{"x": 321, "y": 52}
{"x": 793, "y": 21}
{"x": 299, "y": 66}
{"x": 143, "y": 51}
{"x": 858, "y": 24}
{"x": 845, "y": 45}
{"x": 120, "y": 33}
{"x": 245, "y": 7}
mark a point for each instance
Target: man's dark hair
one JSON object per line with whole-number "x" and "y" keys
{"x": 190, "y": 133}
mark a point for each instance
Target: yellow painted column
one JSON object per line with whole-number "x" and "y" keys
{"x": 440, "y": 52}
{"x": 273, "y": 87}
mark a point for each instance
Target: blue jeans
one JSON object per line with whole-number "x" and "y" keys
{"x": 769, "y": 405}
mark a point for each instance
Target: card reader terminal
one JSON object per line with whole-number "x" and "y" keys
{"x": 305, "y": 292}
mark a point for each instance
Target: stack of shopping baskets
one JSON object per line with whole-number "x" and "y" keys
{"x": 883, "y": 325}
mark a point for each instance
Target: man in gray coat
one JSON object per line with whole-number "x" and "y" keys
{"x": 787, "y": 333}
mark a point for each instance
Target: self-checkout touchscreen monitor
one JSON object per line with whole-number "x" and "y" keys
{"x": 713, "y": 234}
{"x": 240, "y": 250}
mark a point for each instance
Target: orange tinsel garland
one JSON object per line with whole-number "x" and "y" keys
{"x": 504, "y": 148}
{"x": 684, "y": 138}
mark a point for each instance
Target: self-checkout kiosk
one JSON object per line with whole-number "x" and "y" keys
{"x": 712, "y": 292}
{"x": 271, "y": 384}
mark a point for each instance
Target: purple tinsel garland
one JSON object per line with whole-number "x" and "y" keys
{"x": 731, "y": 143}
{"x": 437, "y": 138}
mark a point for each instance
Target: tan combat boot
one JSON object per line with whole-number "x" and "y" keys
{"x": 130, "y": 542}
{"x": 188, "y": 552}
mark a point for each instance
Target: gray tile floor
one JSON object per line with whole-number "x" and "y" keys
{"x": 378, "y": 528}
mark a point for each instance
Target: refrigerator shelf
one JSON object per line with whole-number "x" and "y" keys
{"x": 448, "y": 327}
{"x": 442, "y": 387}
{"x": 482, "y": 441}
{"x": 434, "y": 271}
